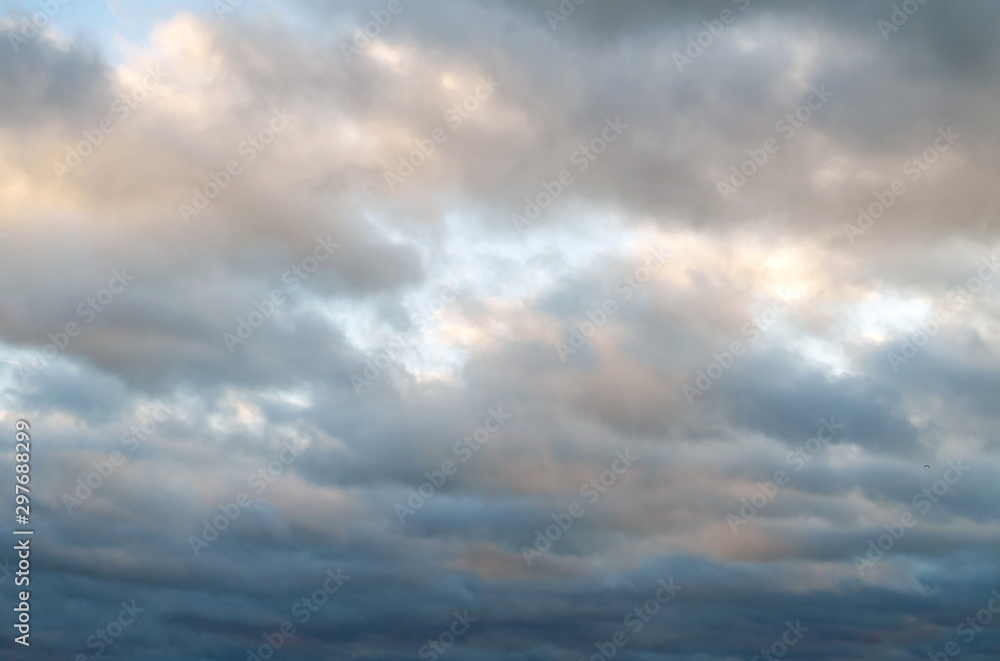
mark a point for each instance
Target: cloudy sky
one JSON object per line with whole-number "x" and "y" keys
{"x": 463, "y": 329}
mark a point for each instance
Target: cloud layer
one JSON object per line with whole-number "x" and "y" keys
{"x": 482, "y": 326}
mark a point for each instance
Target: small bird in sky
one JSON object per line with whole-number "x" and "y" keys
{"x": 926, "y": 466}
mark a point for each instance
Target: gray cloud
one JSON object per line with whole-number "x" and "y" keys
{"x": 436, "y": 364}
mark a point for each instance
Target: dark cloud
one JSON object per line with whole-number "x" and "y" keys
{"x": 377, "y": 377}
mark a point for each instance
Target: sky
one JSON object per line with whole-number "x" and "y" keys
{"x": 502, "y": 330}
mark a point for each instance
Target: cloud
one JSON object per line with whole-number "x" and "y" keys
{"x": 276, "y": 144}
